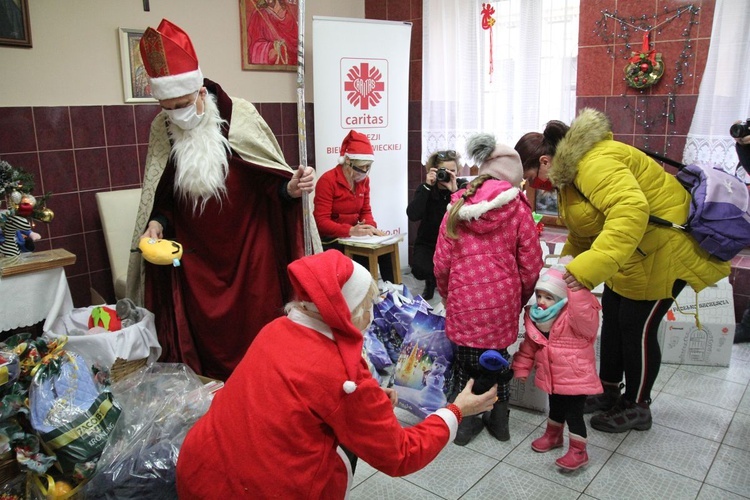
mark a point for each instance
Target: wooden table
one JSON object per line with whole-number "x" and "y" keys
{"x": 34, "y": 288}
{"x": 372, "y": 252}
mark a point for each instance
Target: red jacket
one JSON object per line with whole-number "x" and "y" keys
{"x": 337, "y": 208}
{"x": 566, "y": 362}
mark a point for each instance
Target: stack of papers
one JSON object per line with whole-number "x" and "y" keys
{"x": 372, "y": 240}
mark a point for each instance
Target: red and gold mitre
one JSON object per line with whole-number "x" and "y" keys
{"x": 170, "y": 61}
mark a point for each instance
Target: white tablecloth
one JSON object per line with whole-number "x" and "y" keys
{"x": 26, "y": 299}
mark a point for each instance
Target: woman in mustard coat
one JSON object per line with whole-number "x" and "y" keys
{"x": 606, "y": 192}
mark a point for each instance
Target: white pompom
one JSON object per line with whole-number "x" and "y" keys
{"x": 349, "y": 387}
{"x": 341, "y": 160}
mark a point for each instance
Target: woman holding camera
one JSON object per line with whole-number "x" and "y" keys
{"x": 428, "y": 206}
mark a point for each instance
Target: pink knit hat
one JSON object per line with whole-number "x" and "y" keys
{"x": 336, "y": 285}
{"x": 552, "y": 281}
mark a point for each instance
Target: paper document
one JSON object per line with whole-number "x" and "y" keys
{"x": 372, "y": 240}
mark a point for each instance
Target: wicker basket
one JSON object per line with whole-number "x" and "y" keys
{"x": 122, "y": 368}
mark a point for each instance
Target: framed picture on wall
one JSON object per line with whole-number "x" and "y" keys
{"x": 269, "y": 31}
{"x": 135, "y": 82}
{"x": 15, "y": 28}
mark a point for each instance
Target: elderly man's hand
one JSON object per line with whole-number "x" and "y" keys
{"x": 303, "y": 181}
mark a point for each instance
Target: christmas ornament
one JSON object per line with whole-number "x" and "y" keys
{"x": 645, "y": 68}
{"x": 45, "y": 215}
{"x": 487, "y": 23}
{"x": 15, "y": 197}
{"x": 26, "y": 205}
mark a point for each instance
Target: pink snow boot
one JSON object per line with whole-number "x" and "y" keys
{"x": 576, "y": 457}
{"x": 551, "y": 439}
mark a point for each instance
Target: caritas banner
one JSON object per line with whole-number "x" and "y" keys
{"x": 361, "y": 82}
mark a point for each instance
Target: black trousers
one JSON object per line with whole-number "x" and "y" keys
{"x": 384, "y": 261}
{"x": 629, "y": 341}
{"x": 568, "y": 409}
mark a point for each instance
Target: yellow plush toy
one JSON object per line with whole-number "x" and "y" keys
{"x": 161, "y": 252}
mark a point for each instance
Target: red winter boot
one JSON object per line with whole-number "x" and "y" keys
{"x": 551, "y": 439}
{"x": 576, "y": 457}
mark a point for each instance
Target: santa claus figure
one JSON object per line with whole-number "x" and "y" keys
{"x": 216, "y": 181}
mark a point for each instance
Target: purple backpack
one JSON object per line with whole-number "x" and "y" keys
{"x": 719, "y": 217}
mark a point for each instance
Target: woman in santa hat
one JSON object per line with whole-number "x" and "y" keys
{"x": 342, "y": 200}
{"x": 301, "y": 393}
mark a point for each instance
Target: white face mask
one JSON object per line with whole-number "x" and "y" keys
{"x": 358, "y": 176}
{"x": 186, "y": 118}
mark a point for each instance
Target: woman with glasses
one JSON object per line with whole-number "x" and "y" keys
{"x": 342, "y": 200}
{"x": 428, "y": 206}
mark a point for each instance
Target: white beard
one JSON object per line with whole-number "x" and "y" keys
{"x": 201, "y": 158}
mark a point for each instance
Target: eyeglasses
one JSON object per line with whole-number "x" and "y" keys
{"x": 446, "y": 155}
{"x": 365, "y": 170}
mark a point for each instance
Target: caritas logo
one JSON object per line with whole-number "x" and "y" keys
{"x": 364, "y": 95}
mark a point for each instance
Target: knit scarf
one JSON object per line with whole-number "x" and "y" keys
{"x": 545, "y": 317}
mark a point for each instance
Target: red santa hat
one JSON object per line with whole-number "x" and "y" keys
{"x": 357, "y": 147}
{"x": 170, "y": 61}
{"x": 336, "y": 285}
{"x": 552, "y": 282}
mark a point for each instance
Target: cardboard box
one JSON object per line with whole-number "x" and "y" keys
{"x": 683, "y": 342}
{"x": 526, "y": 394}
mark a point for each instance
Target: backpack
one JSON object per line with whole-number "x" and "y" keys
{"x": 719, "y": 218}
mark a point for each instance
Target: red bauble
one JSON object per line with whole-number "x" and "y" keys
{"x": 24, "y": 209}
{"x": 644, "y": 67}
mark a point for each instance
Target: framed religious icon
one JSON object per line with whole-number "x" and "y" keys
{"x": 269, "y": 31}
{"x": 135, "y": 82}
{"x": 15, "y": 28}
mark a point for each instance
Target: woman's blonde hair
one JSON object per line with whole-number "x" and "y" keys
{"x": 471, "y": 188}
{"x": 311, "y": 310}
{"x": 366, "y": 303}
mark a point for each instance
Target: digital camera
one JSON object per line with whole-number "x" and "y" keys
{"x": 741, "y": 129}
{"x": 443, "y": 175}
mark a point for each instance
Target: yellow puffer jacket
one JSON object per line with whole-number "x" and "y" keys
{"x": 606, "y": 192}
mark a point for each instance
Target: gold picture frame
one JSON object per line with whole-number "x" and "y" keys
{"x": 135, "y": 83}
{"x": 15, "y": 27}
{"x": 269, "y": 30}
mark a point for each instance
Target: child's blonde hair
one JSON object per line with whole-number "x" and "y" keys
{"x": 471, "y": 188}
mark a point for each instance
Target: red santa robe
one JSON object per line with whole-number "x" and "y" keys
{"x": 275, "y": 428}
{"x": 233, "y": 278}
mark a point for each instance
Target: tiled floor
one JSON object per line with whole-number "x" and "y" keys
{"x": 698, "y": 448}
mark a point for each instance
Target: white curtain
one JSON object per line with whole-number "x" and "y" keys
{"x": 534, "y": 55}
{"x": 724, "y": 95}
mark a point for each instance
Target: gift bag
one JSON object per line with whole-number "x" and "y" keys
{"x": 423, "y": 373}
{"x": 70, "y": 413}
{"x": 161, "y": 402}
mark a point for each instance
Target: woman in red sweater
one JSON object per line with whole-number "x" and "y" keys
{"x": 342, "y": 200}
